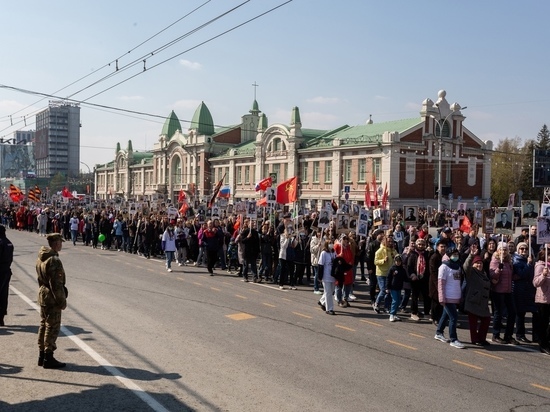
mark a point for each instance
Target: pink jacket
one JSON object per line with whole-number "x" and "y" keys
{"x": 504, "y": 276}
{"x": 542, "y": 283}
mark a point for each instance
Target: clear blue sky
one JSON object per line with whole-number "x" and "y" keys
{"x": 337, "y": 60}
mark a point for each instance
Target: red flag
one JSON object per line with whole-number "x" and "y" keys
{"x": 334, "y": 205}
{"x": 15, "y": 191}
{"x": 183, "y": 208}
{"x": 264, "y": 184}
{"x": 181, "y": 196}
{"x": 466, "y": 225}
{"x": 215, "y": 192}
{"x": 65, "y": 193}
{"x": 375, "y": 203}
{"x": 237, "y": 224}
{"x": 385, "y": 197}
{"x": 262, "y": 201}
{"x": 17, "y": 198}
{"x": 287, "y": 191}
{"x": 367, "y": 196}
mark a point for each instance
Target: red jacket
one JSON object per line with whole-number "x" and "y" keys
{"x": 347, "y": 254}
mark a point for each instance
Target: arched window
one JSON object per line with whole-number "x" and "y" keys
{"x": 446, "y": 130}
{"x": 176, "y": 170}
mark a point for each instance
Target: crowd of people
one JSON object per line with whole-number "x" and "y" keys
{"x": 492, "y": 279}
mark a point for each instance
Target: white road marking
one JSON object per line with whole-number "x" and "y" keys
{"x": 140, "y": 393}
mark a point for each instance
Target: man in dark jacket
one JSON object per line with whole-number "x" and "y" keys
{"x": 251, "y": 241}
{"x": 417, "y": 268}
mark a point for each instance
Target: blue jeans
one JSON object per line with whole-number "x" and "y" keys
{"x": 253, "y": 268}
{"x": 502, "y": 302}
{"x": 221, "y": 257}
{"x": 315, "y": 280}
{"x": 265, "y": 265}
{"x": 74, "y": 235}
{"x": 449, "y": 312}
{"x": 382, "y": 296}
{"x": 169, "y": 257}
{"x": 395, "y": 301}
{"x": 345, "y": 291}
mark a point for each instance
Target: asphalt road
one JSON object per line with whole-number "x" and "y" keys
{"x": 139, "y": 338}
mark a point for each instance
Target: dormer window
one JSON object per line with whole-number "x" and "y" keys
{"x": 446, "y": 132}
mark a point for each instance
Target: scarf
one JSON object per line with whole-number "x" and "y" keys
{"x": 420, "y": 266}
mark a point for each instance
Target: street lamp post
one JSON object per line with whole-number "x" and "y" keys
{"x": 90, "y": 179}
{"x": 454, "y": 108}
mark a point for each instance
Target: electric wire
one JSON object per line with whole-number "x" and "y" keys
{"x": 108, "y": 64}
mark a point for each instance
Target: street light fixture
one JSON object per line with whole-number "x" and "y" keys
{"x": 454, "y": 109}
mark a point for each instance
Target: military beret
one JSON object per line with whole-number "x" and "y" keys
{"x": 52, "y": 237}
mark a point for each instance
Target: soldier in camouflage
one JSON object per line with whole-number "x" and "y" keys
{"x": 52, "y": 298}
{"x": 6, "y": 258}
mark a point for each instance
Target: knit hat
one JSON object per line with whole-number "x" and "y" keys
{"x": 523, "y": 244}
{"x": 477, "y": 259}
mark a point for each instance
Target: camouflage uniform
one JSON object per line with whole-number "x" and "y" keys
{"x": 6, "y": 258}
{"x": 51, "y": 297}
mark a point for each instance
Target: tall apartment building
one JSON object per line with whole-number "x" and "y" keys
{"x": 57, "y": 140}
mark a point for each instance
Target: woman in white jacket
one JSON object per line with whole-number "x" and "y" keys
{"x": 315, "y": 250}
{"x": 450, "y": 292}
{"x": 325, "y": 268}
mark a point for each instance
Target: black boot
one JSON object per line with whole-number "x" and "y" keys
{"x": 2, "y": 321}
{"x": 51, "y": 363}
{"x": 41, "y": 358}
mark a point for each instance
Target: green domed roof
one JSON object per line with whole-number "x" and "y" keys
{"x": 255, "y": 107}
{"x": 171, "y": 124}
{"x": 202, "y": 121}
{"x": 263, "y": 122}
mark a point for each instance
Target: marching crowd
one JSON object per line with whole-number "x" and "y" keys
{"x": 496, "y": 281}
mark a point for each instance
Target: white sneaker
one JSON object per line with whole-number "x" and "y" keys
{"x": 396, "y": 318}
{"x": 352, "y": 297}
{"x": 392, "y": 318}
{"x": 180, "y": 264}
{"x": 169, "y": 270}
{"x": 457, "y": 344}
{"x": 415, "y": 318}
{"x": 441, "y": 337}
{"x": 317, "y": 292}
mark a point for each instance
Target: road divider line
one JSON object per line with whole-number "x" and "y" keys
{"x": 401, "y": 344}
{"x": 417, "y": 336}
{"x": 178, "y": 278}
{"x": 302, "y": 315}
{"x": 101, "y": 361}
{"x": 345, "y": 328}
{"x": 242, "y": 297}
{"x": 371, "y": 323}
{"x": 489, "y": 356}
{"x": 288, "y": 300}
{"x": 216, "y": 289}
{"x": 546, "y": 388}
{"x": 197, "y": 283}
{"x": 269, "y": 305}
{"x": 469, "y": 365}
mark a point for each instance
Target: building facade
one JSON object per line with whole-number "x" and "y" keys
{"x": 404, "y": 157}
{"x": 57, "y": 140}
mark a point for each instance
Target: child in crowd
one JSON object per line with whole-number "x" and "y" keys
{"x": 397, "y": 275}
